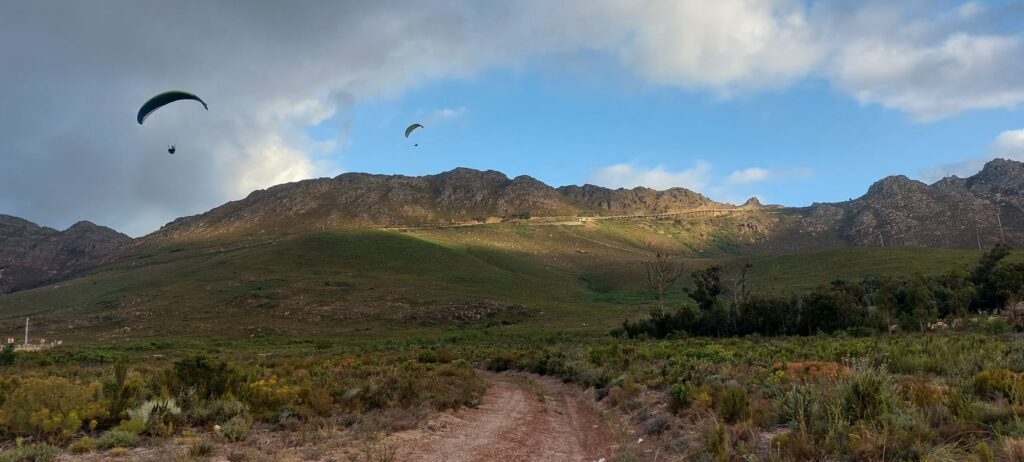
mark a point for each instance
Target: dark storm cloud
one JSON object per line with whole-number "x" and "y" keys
{"x": 76, "y": 72}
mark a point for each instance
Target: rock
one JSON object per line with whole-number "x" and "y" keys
{"x": 32, "y": 255}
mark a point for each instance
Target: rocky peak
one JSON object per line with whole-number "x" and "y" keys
{"x": 894, "y": 185}
{"x": 752, "y": 203}
{"x": 31, "y": 255}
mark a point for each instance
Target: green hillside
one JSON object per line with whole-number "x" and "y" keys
{"x": 354, "y": 284}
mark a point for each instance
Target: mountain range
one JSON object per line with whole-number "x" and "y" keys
{"x": 954, "y": 212}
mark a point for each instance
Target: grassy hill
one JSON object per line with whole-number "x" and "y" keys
{"x": 512, "y": 278}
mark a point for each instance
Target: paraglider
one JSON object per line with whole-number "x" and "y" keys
{"x": 162, "y": 100}
{"x": 413, "y": 127}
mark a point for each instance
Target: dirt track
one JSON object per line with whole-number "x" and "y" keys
{"x": 521, "y": 418}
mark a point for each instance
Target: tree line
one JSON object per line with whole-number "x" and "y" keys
{"x": 721, "y": 306}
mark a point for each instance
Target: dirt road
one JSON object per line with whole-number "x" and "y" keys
{"x": 521, "y": 418}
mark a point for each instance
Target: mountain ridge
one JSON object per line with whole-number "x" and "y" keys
{"x": 979, "y": 210}
{"x": 32, "y": 255}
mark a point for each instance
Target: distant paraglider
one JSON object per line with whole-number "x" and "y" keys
{"x": 413, "y": 127}
{"x": 162, "y": 100}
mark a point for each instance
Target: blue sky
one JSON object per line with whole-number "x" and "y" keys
{"x": 790, "y": 100}
{"x": 564, "y": 128}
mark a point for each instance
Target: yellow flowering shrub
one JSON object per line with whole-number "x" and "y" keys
{"x": 51, "y": 407}
{"x": 268, "y": 396}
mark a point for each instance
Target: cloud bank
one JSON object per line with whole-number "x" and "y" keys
{"x": 75, "y": 75}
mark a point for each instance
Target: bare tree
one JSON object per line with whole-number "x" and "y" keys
{"x": 739, "y": 287}
{"x": 662, "y": 273}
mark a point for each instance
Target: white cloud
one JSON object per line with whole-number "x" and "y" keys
{"x": 448, "y": 113}
{"x": 1010, "y": 144}
{"x": 749, "y": 175}
{"x": 72, "y": 151}
{"x": 930, "y": 81}
{"x": 1007, "y": 145}
{"x": 722, "y": 44}
{"x": 631, "y": 176}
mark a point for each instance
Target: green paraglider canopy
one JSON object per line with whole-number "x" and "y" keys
{"x": 408, "y": 131}
{"x": 164, "y": 99}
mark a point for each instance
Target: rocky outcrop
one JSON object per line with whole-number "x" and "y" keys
{"x": 458, "y": 196}
{"x": 896, "y": 210}
{"x": 636, "y": 201}
{"x": 32, "y": 255}
{"x": 952, "y": 212}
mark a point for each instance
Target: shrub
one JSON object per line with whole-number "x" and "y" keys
{"x": 200, "y": 448}
{"x": 157, "y": 417}
{"x": 268, "y": 396}
{"x": 50, "y": 407}
{"x": 236, "y": 429}
{"x": 866, "y": 395}
{"x": 992, "y": 383}
{"x": 7, "y": 354}
{"x": 211, "y": 378}
{"x": 121, "y": 390}
{"x": 83, "y": 445}
{"x": 982, "y": 453}
{"x": 216, "y": 411}
{"x": 41, "y": 452}
{"x": 117, "y": 438}
{"x": 793, "y": 446}
{"x": 658, "y": 424}
{"x": 734, "y": 405}
{"x": 680, "y": 396}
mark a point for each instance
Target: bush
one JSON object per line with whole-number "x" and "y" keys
{"x": 50, "y": 407}
{"x": 680, "y": 396}
{"x": 734, "y": 405}
{"x": 983, "y": 453}
{"x": 658, "y": 424}
{"x": 236, "y": 429}
{"x": 267, "y": 397}
{"x": 157, "y": 417}
{"x": 216, "y": 411}
{"x": 867, "y": 395}
{"x": 200, "y": 448}
{"x": 41, "y": 452}
{"x": 209, "y": 377}
{"x": 7, "y": 354}
{"x": 993, "y": 383}
{"x": 83, "y": 445}
{"x": 118, "y": 438}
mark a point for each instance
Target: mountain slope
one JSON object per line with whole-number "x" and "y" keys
{"x": 956, "y": 213}
{"x": 31, "y": 255}
{"x": 458, "y": 196}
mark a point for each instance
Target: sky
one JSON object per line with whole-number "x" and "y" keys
{"x": 793, "y": 102}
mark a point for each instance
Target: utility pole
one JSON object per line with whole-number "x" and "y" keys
{"x": 881, "y": 238}
{"x": 26, "y": 332}
{"x": 978, "y": 234}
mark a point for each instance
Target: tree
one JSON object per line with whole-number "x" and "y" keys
{"x": 714, "y": 315}
{"x": 1008, "y": 281}
{"x": 958, "y": 291}
{"x": 987, "y": 297}
{"x": 921, "y": 307}
{"x": 887, "y": 298}
{"x": 662, "y": 274}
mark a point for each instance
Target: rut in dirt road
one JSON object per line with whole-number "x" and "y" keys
{"x": 519, "y": 419}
